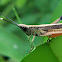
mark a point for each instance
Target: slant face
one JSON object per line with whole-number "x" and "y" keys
{"x": 25, "y": 29}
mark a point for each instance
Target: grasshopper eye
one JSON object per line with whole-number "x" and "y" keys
{"x": 45, "y": 30}
{"x": 24, "y": 28}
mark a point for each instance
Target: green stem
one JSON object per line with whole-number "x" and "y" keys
{"x": 17, "y": 16}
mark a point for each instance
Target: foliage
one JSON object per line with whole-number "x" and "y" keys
{"x": 13, "y": 41}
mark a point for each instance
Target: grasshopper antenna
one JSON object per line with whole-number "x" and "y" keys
{"x": 8, "y": 18}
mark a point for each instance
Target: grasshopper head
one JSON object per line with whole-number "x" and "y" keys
{"x": 23, "y": 27}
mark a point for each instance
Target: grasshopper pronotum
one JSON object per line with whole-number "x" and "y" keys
{"x": 50, "y": 30}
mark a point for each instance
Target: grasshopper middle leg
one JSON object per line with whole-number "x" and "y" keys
{"x": 32, "y": 47}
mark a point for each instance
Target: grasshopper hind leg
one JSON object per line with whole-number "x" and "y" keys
{"x": 57, "y": 21}
{"x": 61, "y": 18}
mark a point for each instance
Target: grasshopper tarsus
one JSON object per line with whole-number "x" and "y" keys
{"x": 31, "y": 49}
{"x": 49, "y": 40}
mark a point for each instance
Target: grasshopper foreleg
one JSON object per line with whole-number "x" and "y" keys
{"x": 32, "y": 47}
{"x": 29, "y": 38}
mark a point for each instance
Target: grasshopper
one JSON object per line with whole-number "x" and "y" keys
{"x": 50, "y": 30}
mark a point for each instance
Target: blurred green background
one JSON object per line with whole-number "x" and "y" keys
{"x": 14, "y": 46}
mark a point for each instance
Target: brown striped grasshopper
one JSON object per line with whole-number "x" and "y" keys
{"x": 50, "y": 30}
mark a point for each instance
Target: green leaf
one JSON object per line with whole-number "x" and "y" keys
{"x": 13, "y": 41}
{"x": 30, "y": 18}
{"x": 42, "y": 53}
{"x": 3, "y": 2}
{"x": 56, "y": 46}
{"x": 57, "y": 12}
{"x": 51, "y": 52}
{"x": 20, "y": 3}
{"x": 13, "y": 47}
